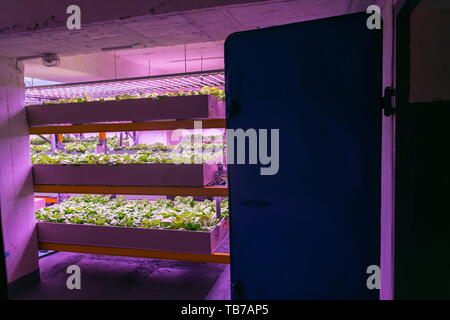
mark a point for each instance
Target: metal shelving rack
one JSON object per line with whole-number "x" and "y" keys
{"x": 175, "y": 82}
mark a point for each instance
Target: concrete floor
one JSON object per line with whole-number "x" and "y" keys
{"x": 121, "y": 278}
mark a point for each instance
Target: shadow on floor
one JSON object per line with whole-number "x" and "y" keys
{"x": 124, "y": 278}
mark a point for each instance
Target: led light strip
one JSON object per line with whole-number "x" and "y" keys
{"x": 190, "y": 81}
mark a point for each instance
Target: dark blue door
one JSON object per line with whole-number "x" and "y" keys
{"x": 311, "y": 230}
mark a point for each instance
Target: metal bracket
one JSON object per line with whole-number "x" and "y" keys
{"x": 218, "y": 174}
{"x": 44, "y": 138}
{"x": 217, "y": 179}
{"x": 218, "y": 201}
{"x": 54, "y": 142}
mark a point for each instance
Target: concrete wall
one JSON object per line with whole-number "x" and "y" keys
{"x": 16, "y": 187}
{"x": 30, "y": 15}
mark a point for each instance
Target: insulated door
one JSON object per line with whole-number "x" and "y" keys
{"x": 311, "y": 230}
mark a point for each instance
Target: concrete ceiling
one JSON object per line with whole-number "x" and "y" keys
{"x": 211, "y": 24}
{"x": 207, "y": 27}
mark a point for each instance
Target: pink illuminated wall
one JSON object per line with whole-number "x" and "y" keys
{"x": 16, "y": 186}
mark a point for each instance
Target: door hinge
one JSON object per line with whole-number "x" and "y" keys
{"x": 387, "y": 103}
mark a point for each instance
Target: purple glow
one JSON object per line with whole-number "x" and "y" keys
{"x": 129, "y": 86}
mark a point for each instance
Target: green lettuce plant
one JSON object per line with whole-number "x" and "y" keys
{"x": 40, "y": 148}
{"x": 80, "y": 147}
{"x": 182, "y": 213}
{"x": 38, "y": 141}
{"x": 141, "y": 157}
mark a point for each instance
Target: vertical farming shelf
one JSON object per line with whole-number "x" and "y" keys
{"x": 153, "y": 174}
{"x": 144, "y": 109}
{"x": 132, "y": 126}
{"x": 215, "y": 191}
{"x": 216, "y": 257}
{"x": 138, "y": 179}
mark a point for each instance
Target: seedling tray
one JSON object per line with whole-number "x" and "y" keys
{"x": 146, "y": 109}
{"x": 155, "y": 174}
{"x": 185, "y": 241}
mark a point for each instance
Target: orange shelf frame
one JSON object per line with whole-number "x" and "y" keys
{"x": 220, "y": 191}
{"x": 131, "y": 126}
{"x": 223, "y": 258}
{"x": 48, "y": 199}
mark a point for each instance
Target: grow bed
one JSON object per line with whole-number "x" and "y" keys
{"x": 172, "y": 218}
{"x": 143, "y": 109}
{"x": 151, "y": 174}
{"x": 140, "y": 157}
{"x": 202, "y": 242}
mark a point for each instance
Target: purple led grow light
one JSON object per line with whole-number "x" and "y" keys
{"x": 159, "y": 84}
